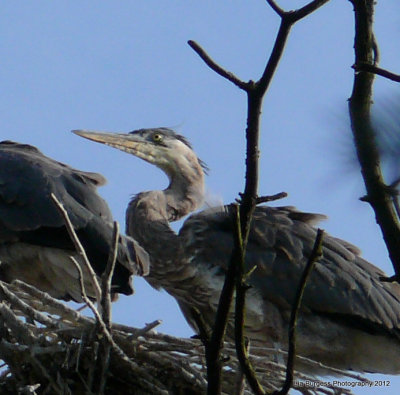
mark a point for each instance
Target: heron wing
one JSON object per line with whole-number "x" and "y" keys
{"x": 28, "y": 214}
{"x": 27, "y": 179}
{"x": 342, "y": 285}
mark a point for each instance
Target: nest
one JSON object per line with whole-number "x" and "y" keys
{"x": 49, "y": 348}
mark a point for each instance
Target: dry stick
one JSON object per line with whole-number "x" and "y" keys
{"x": 79, "y": 248}
{"x": 90, "y": 304}
{"x": 255, "y": 93}
{"x": 241, "y": 288}
{"x": 17, "y": 303}
{"x": 116, "y": 348}
{"x": 316, "y": 254}
{"x": 143, "y": 331}
{"x": 377, "y": 70}
{"x": 20, "y": 331}
{"x": 170, "y": 350}
{"x": 92, "y": 275}
{"x": 378, "y": 195}
{"x": 264, "y": 199}
{"x": 272, "y": 198}
{"x": 105, "y": 304}
{"x": 218, "y": 69}
{"x": 280, "y": 11}
{"x": 105, "y": 301}
{"x": 255, "y": 97}
{"x": 49, "y": 301}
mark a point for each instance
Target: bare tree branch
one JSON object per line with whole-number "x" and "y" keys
{"x": 360, "y": 101}
{"x": 218, "y": 69}
{"x": 370, "y": 68}
{"x": 255, "y": 94}
{"x": 307, "y": 9}
{"x": 280, "y": 11}
{"x": 214, "y": 365}
{"x": 271, "y": 198}
{"x": 265, "y": 199}
{"x": 240, "y": 314}
{"x": 316, "y": 254}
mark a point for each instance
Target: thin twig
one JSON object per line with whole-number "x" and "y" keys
{"x": 101, "y": 323}
{"x": 271, "y": 198}
{"x": 307, "y": 9}
{"x": 89, "y": 302}
{"x": 218, "y": 69}
{"x": 143, "y": 331}
{"x": 25, "y": 308}
{"x": 213, "y": 352}
{"x": 280, "y": 11}
{"x": 79, "y": 248}
{"x": 105, "y": 301}
{"x": 299, "y": 13}
{"x": 105, "y": 304}
{"x": 264, "y": 199}
{"x": 315, "y": 255}
{"x": 50, "y": 302}
{"x": 377, "y": 70}
{"x": 240, "y": 315}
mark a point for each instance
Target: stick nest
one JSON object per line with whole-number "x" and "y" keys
{"x": 49, "y": 348}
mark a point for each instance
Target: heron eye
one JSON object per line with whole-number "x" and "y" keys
{"x": 157, "y": 137}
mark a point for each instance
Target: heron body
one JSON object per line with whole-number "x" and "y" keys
{"x": 35, "y": 246}
{"x": 349, "y": 319}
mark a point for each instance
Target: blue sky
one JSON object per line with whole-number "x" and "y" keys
{"x": 123, "y": 65}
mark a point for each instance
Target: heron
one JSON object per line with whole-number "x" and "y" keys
{"x": 35, "y": 246}
{"x": 349, "y": 318}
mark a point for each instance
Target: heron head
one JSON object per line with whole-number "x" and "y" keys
{"x": 162, "y": 147}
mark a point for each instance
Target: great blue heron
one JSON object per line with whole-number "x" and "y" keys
{"x": 349, "y": 319}
{"x": 34, "y": 243}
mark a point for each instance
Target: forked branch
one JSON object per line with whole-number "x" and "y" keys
{"x": 378, "y": 193}
{"x": 255, "y": 94}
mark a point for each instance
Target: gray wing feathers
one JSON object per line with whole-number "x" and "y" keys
{"x": 26, "y": 204}
{"x": 342, "y": 284}
{"x": 29, "y": 216}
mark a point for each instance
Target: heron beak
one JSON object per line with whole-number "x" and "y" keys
{"x": 131, "y": 143}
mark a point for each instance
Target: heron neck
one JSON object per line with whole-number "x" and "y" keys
{"x": 184, "y": 194}
{"x": 148, "y": 217}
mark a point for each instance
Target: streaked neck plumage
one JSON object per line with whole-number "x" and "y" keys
{"x": 149, "y": 214}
